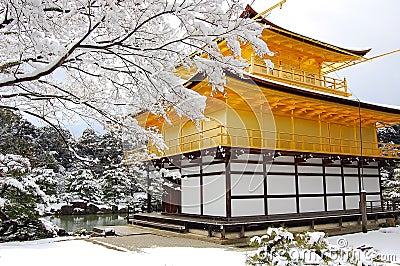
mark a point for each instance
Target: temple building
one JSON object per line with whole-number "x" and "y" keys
{"x": 285, "y": 144}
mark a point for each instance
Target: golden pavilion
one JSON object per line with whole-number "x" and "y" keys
{"x": 286, "y": 144}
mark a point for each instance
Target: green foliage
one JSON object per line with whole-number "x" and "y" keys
{"x": 83, "y": 184}
{"x": 44, "y": 147}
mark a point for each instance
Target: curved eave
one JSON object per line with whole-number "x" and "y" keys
{"x": 317, "y": 95}
{"x": 250, "y": 13}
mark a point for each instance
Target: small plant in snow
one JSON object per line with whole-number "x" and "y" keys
{"x": 280, "y": 247}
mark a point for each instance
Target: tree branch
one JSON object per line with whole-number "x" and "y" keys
{"x": 51, "y": 67}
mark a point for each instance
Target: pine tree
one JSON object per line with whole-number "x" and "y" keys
{"x": 83, "y": 184}
{"x": 21, "y": 200}
{"x": 117, "y": 185}
{"x": 391, "y": 184}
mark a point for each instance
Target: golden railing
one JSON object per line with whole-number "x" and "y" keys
{"x": 301, "y": 78}
{"x": 264, "y": 139}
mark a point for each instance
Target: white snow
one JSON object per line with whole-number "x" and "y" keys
{"x": 79, "y": 252}
{"x": 2, "y": 202}
{"x": 385, "y": 240}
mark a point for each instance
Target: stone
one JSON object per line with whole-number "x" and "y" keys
{"x": 62, "y": 232}
{"x": 123, "y": 210}
{"x": 109, "y": 232}
{"x": 79, "y": 204}
{"x": 104, "y": 211}
{"x": 390, "y": 222}
{"x": 78, "y": 211}
{"x": 92, "y": 209}
{"x": 66, "y": 210}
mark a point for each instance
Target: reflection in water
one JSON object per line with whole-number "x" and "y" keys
{"x": 72, "y": 223}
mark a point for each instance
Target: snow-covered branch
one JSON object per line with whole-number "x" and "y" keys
{"x": 106, "y": 60}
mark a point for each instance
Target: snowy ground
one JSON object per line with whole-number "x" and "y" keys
{"x": 385, "y": 240}
{"x": 75, "y": 252}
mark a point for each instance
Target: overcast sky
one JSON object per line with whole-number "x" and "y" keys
{"x": 352, "y": 24}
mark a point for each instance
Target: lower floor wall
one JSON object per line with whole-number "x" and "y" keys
{"x": 257, "y": 183}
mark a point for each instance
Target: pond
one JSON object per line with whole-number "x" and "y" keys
{"x": 72, "y": 223}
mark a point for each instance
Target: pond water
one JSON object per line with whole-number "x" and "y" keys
{"x": 72, "y": 223}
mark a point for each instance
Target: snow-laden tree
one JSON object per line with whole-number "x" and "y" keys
{"x": 391, "y": 185}
{"x": 104, "y": 60}
{"x": 21, "y": 199}
{"x": 83, "y": 184}
{"x": 43, "y": 146}
{"x": 117, "y": 185}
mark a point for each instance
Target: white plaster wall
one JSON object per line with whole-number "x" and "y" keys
{"x": 247, "y": 184}
{"x": 311, "y": 185}
{"x": 190, "y": 195}
{"x": 280, "y": 185}
{"x": 213, "y": 168}
{"x": 247, "y": 207}
{"x": 190, "y": 170}
{"x": 247, "y": 167}
{"x": 252, "y": 157}
{"x": 281, "y": 206}
{"x": 350, "y": 171}
{"x": 311, "y": 204}
{"x": 281, "y": 168}
{"x": 374, "y": 164}
{"x": 333, "y": 184}
{"x": 351, "y": 184}
{"x": 309, "y": 169}
{"x": 375, "y": 198}
{"x": 352, "y": 202}
{"x": 286, "y": 159}
{"x": 334, "y": 203}
{"x": 214, "y": 197}
{"x": 314, "y": 160}
{"x": 371, "y": 184}
{"x": 207, "y": 159}
{"x": 333, "y": 170}
{"x": 371, "y": 171}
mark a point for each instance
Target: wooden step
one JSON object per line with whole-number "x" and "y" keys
{"x": 173, "y": 227}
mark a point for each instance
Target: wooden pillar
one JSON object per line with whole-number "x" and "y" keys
{"x": 293, "y": 144}
{"x": 324, "y": 184}
{"x": 223, "y": 231}
{"x": 265, "y": 184}
{"x": 201, "y": 187}
{"x": 228, "y": 194}
{"x": 149, "y": 209}
{"x": 320, "y": 133}
{"x": 363, "y": 209}
{"x": 242, "y": 231}
{"x": 296, "y": 177}
{"x": 343, "y": 185}
{"x": 356, "y": 143}
{"x": 329, "y": 136}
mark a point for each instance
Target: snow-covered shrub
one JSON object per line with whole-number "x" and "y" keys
{"x": 83, "y": 184}
{"x": 280, "y": 247}
{"x": 21, "y": 200}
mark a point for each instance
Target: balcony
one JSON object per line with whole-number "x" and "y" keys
{"x": 249, "y": 138}
{"x": 299, "y": 78}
